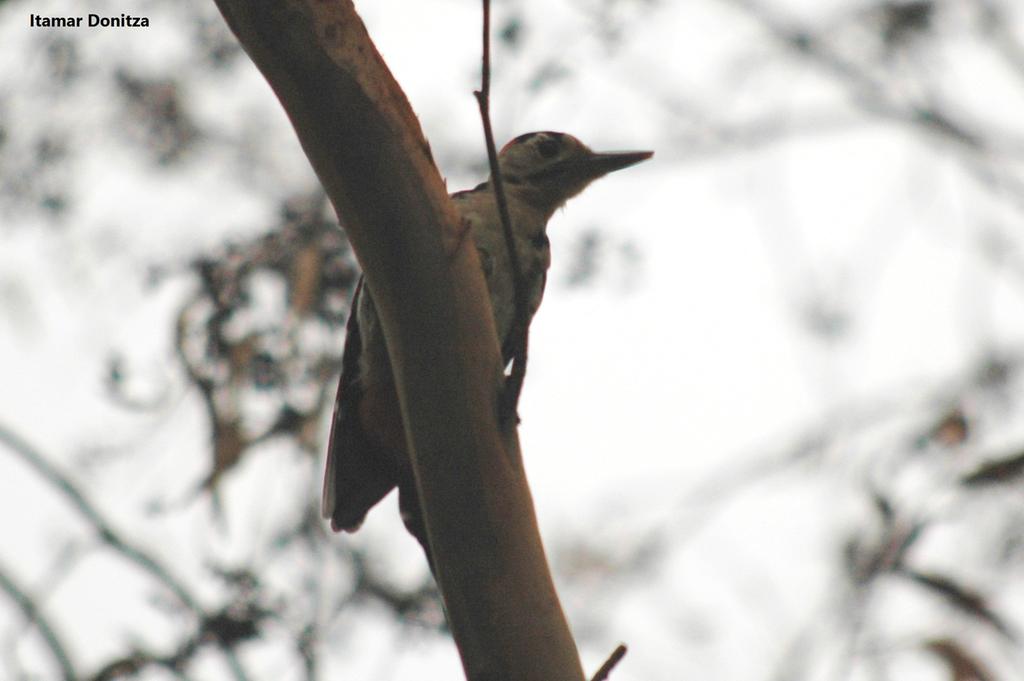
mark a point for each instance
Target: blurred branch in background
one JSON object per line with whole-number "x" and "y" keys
{"x": 917, "y": 483}
{"x": 241, "y": 619}
{"x": 916, "y": 466}
{"x": 260, "y": 376}
{"x": 36, "y": 619}
{"x": 213, "y": 626}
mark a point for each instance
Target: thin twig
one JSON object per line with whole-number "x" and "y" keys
{"x": 105, "y": 530}
{"x": 520, "y": 329}
{"x": 31, "y": 611}
{"x": 609, "y": 664}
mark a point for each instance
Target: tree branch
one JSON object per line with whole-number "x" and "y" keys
{"x": 109, "y": 536}
{"x": 603, "y": 672}
{"x": 367, "y": 148}
{"x": 30, "y": 609}
{"x": 520, "y": 329}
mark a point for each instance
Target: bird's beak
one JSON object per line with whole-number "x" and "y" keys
{"x": 588, "y": 168}
{"x": 599, "y": 164}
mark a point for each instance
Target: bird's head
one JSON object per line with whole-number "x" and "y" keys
{"x": 549, "y": 168}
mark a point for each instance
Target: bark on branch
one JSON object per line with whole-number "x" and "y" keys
{"x": 366, "y": 146}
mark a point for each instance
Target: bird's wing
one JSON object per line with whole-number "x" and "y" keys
{"x": 358, "y": 475}
{"x": 508, "y": 344}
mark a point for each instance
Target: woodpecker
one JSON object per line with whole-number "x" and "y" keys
{"x": 366, "y": 455}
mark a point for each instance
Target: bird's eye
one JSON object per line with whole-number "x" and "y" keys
{"x": 548, "y": 147}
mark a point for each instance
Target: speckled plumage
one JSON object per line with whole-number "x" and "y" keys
{"x": 366, "y": 451}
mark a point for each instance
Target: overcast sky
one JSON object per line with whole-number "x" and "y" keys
{"x": 746, "y": 297}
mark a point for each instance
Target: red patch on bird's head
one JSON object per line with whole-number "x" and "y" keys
{"x": 520, "y": 139}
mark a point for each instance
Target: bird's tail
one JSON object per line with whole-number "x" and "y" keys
{"x": 357, "y": 475}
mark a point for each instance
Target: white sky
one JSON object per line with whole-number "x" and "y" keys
{"x": 656, "y": 377}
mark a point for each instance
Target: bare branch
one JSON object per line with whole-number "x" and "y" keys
{"x": 520, "y": 330}
{"x": 870, "y": 92}
{"x": 366, "y": 146}
{"x": 962, "y": 598}
{"x": 104, "y": 529}
{"x": 33, "y": 614}
{"x": 109, "y": 536}
{"x": 602, "y": 673}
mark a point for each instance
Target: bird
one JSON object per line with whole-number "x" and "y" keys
{"x": 366, "y": 454}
